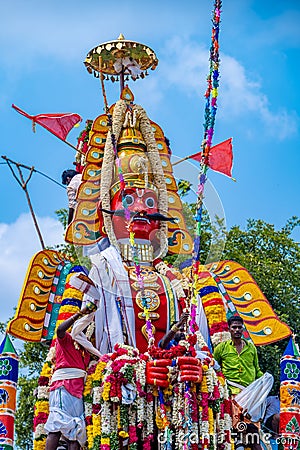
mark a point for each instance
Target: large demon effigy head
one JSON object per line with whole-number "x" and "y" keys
{"x": 128, "y": 185}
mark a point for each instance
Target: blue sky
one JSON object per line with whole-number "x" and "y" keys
{"x": 43, "y": 46}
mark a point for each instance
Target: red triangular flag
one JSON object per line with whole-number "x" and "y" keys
{"x": 196, "y": 157}
{"x": 220, "y": 157}
{"x": 58, "y": 124}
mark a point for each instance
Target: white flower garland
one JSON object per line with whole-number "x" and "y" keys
{"x": 149, "y": 429}
{"x": 97, "y": 394}
{"x": 51, "y": 354}
{"x": 108, "y": 166}
{"x": 39, "y": 431}
{"x": 106, "y": 418}
{"x": 220, "y": 336}
{"x": 88, "y": 409}
{"x": 43, "y": 392}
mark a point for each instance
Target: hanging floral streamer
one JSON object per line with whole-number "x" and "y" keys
{"x": 211, "y": 95}
{"x": 136, "y": 262}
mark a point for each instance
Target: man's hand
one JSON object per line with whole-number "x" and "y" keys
{"x": 85, "y": 278}
{"x": 88, "y": 308}
{"x": 183, "y": 319}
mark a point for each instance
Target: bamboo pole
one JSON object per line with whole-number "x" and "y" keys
{"x": 21, "y": 181}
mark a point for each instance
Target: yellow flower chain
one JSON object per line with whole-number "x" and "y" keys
{"x": 40, "y": 444}
{"x": 159, "y": 420}
{"x": 123, "y": 434}
{"x": 90, "y": 435}
{"x": 98, "y": 375}
{"x": 211, "y": 421}
{"x": 96, "y": 424}
{"x": 68, "y": 309}
{"x": 204, "y": 387}
{"x": 88, "y": 385}
{"x": 41, "y": 407}
{"x": 46, "y": 370}
{"x": 106, "y": 390}
{"x": 72, "y": 293}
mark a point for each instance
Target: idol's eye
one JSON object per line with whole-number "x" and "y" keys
{"x": 129, "y": 199}
{"x": 150, "y": 202}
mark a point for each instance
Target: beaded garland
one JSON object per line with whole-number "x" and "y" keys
{"x": 211, "y": 95}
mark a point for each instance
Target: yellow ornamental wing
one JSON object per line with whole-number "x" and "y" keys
{"x": 35, "y": 296}
{"x": 239, "y": 288}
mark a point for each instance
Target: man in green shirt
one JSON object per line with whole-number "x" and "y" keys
{"x": 237, "y": 358}
{"x": 239, "y": 362}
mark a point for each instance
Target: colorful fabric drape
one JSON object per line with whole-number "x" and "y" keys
{"x": 290, "y": 396}
{"x": 8, "y": 388}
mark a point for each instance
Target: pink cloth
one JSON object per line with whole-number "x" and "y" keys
{"x": 67, "y": 356}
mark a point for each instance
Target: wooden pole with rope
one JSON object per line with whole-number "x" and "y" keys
{"x": 21, "y": 181}
{"x": 181, "y": 160}
{"x": 101, "y": 76}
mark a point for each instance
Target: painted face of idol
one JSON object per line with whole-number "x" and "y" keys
{"x": 140, "y": 203}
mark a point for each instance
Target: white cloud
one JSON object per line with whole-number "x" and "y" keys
{"x": 62, "y": 32}
{"x": 18, "y": 243}
{"x": 65, "y": 30}
{"x": 185, "y": 64}
{"x": 239, "y": 94}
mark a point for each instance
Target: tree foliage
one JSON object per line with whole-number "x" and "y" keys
{"x": 31, "y": 361}
{"x": 24, "y": 413}
{"x": 273, "y": 259}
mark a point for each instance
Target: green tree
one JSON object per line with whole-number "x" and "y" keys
{"x": 273, "y": 259}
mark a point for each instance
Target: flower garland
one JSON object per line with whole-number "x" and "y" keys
{"x": 124, "y": 115}
{"x": 211, "y": 95}
{"x": 111, "y": 419}
{"x": 41, "y": 408}
{"x": 82, "y": 146}
{"x": 213, "y": 406}
{"x": 199, "y": 412}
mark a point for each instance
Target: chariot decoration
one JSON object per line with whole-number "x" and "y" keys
{"x": 8, "y": 391}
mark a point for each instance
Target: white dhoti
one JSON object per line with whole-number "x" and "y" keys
{"x": 252, "y": 399}
{"x": 66, "y": 416}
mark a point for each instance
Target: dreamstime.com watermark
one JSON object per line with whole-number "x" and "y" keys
{"x": 247, "y": 438}
{"x": 239, "y": 438}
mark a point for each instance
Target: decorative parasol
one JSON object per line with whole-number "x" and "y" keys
{"x": 121, "y": 59}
